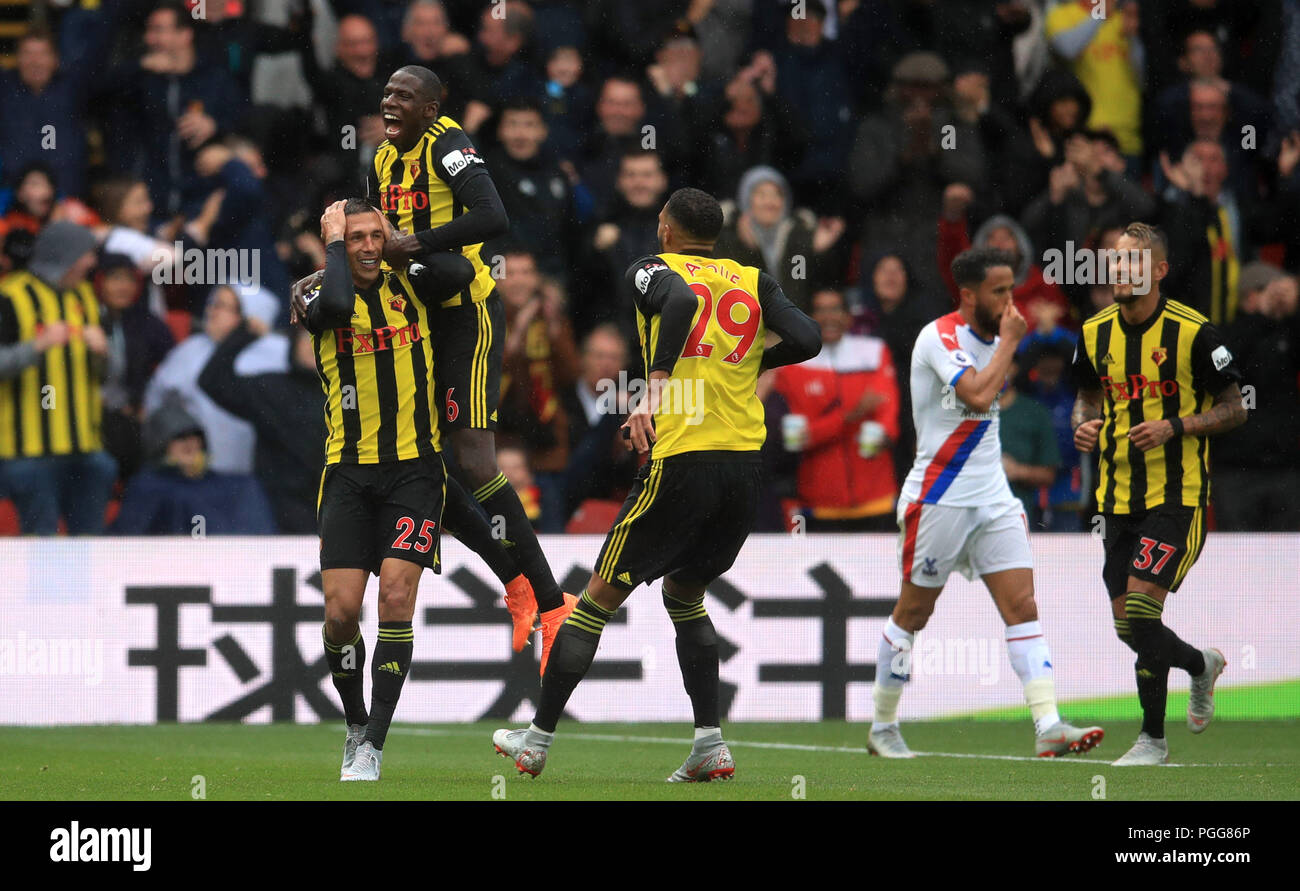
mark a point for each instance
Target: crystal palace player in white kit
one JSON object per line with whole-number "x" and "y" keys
{"x": 957, "y": 511}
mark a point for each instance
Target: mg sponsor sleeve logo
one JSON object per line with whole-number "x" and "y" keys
{"x": 646, "y": 274}
{"x": 455, "y": 162}
{"x": 1222, "y": 358}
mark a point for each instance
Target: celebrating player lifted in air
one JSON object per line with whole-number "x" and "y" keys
{"x": 381, "y": 494}
{"x": 436, "y": 194}
{"x": 437, "y": 197}
{"x": 703, "y": 323}
{"x": 1155, "y": 380}
{"x": 957, "y": 511}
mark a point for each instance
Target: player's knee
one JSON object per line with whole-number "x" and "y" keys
{"x": 913, "y": 617}
{"x": 478, "y": 465}
{"x": 396, "y": 599}
{"x": 340, "y": 620}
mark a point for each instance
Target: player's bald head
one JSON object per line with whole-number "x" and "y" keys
{"x": 430, "y": 85}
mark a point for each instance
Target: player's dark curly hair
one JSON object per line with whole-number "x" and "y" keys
{"x": 971, "y": 267}
{"x": 697, "y": 212}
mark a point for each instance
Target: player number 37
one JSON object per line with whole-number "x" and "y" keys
{"x": 1144, "y": 559}
{"x": 746, "y": 329}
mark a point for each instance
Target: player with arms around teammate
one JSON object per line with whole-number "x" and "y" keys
{"x": 703, "y": 324}
{"x": 435, "y": 189}
{"x": 956, "y": 510}
{"x": 381, "y": 494}
{"x": 1155, "y": 380}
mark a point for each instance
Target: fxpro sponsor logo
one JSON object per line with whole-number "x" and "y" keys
{"x": 88, "y": 844}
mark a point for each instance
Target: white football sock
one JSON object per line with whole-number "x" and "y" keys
{"x": 893, "y": 669}
{"x": 538, "y": 737}
{"x": 1032, "y": 661}
{"x": 706, "y": 738}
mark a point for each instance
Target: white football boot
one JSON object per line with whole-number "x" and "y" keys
{"x": 887, "y": 742}
{"x": 365, "y": 764}
{"x": 1145, "y": 751}
{"x": 1200, "y": 704}
{"x": 356, "y": 734}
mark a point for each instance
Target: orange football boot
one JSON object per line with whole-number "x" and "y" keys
{"x": 523, "y": 610}
{"x": 551, "y": 622}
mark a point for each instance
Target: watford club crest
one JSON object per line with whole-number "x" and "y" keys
{"x": 415, "y": 170}
{"x": 397, "y": 303}
{"x": 1159, "y": 354}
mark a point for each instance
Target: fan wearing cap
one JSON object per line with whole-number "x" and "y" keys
{"x": 52, "y": 460}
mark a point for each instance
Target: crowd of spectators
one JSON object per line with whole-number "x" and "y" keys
{"x": 857, "y": 145}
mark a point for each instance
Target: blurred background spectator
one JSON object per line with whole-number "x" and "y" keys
{"x": 1030, "y": 455}
{"x": 52, "y": 461}
{"x": 843, "y": 420}
{"x": 763, "y": 229}
{"x": 540, "y": 362}
{"x": 178, "y": 493}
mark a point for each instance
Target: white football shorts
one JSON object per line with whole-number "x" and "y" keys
{"x": 937, "y": 540}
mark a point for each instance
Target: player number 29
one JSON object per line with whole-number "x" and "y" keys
{"x": 746, "y": 330}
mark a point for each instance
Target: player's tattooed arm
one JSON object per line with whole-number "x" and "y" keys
{"x": 1087, "y": 407}
{"x": 1227, "y": 412}
{"x": 1086, "y": 419}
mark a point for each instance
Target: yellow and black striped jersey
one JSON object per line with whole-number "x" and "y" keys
{"x": 1171, "y": 365}
{"x": 376, "y": 373}
{"x": 54, "y": 406}
{"x": 704, "y": 321}
{"x": 422, "y": 189}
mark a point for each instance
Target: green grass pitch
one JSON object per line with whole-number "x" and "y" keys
{"x": 824, "y": 761}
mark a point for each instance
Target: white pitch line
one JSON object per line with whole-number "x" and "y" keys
{"x": 804, "y": 747}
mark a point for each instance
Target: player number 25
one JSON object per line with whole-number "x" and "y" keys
{"x": 405, "y": 526}
{"x": 746, "y": 330}
{"x": 1144, "y": 559}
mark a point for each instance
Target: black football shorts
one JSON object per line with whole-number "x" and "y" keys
{"x": 686, "y": 517}
{"x": 468, "y": 347}
{"x": 1158, "y": 545}
{"x": 368, "y": 513}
